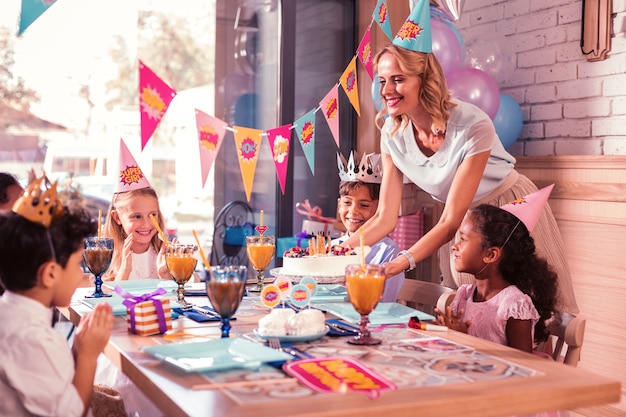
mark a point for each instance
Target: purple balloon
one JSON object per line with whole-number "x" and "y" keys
{"x": 446, "y": 46}
{"x": 477, "y": 87}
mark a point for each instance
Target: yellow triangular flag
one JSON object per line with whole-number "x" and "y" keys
{"x": 248, "y": 143}
{"x": 350, "y": 86}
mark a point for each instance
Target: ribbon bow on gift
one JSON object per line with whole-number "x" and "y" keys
{"x": 313, "y": 213}
{"x": 131, "y": 300}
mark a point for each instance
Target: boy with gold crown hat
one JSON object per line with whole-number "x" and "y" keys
{"x": 359, "y": 191}
{"x": 41, "y": 244}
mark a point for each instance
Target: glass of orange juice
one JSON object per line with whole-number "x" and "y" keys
{"x": 181, "y": 261}
{"x": 365, "y": 284}
{"x": 260, "y": 250}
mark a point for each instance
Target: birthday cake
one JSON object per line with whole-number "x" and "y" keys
{"x": 325, "y": 265}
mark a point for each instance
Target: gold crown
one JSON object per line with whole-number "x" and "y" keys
{"x": 368, "y": 170}
{"x": 39, "y": 205}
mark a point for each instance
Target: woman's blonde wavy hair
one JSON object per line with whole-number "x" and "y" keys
{"x": 434, "y": 94}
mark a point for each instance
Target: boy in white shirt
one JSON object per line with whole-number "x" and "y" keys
{"x": 41, "y": 244}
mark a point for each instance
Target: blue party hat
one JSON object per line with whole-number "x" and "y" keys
{"x": 415, "y": 34}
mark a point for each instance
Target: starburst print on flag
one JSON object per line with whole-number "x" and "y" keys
{"x": 154, "y": 98}
{"x": 248, "y": 142}
{"x": 364, "y": 52}
{"x": 31, "y": 10}
{"x": 349, "y": 84}
{"x": 305, "y": 130}
{"x": 330, "y": 108}
{"x": 211, "y": 131}
{"x": 280, "y": 140}
{"x": 381, "y": 16}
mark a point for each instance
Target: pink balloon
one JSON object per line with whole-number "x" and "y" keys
{"x": 446, "y": 46}
{"x": 477, "y": 87}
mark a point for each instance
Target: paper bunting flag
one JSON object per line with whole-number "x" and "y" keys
{"x": 154, "y": 98}
{"x": 305, "y": 130}
{"x": 364, "y": 52}
{"x": 280, "y": 140}
{"x": 210, "y": 134}
{"x": 248, "y": 143}
{"x": 130, "y": 176}
{"x": 330, "y": 108}
{"x": 31, "y": 10}
{"x": 381, "y": 16}
{"x": 349, "y": 84}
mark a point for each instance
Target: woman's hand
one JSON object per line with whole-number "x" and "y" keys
{"x": 451, "y": 320}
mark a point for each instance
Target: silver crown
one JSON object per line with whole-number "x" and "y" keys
{"x": 368, "y": 170}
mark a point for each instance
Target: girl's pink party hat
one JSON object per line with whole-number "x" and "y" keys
{"x": 130, "y": 176}
{"x": 528, "y": 209}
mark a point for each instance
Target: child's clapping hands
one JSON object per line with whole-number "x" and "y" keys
{"x": 451, "y": 320}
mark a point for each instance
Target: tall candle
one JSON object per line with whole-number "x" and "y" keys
{"x": 362, "y": 239}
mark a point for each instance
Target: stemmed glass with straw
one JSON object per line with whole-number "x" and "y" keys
{"x": 365, "y": 284}
{"x": 260, "y": 250}
{"x": 181, "y": 262}
{"x": 97, "y": 255}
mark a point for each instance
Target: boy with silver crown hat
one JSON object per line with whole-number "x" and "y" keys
{"x": 41, "y": 244}
{"x": 359, "y": 191}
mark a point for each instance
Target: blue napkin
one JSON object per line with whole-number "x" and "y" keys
{"x": 197, "y": 316}
{"x": 343, "y": 329}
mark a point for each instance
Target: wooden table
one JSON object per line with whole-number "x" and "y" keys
{"x": 556, "y": 387}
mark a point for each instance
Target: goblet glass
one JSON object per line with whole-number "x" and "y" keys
{"x": 260, "y": 252}
{"x": 181, "y": 261}
{"x": 97, "y": 254}
{"x": 225, "y": 287}
{"x": 365, "y": 284}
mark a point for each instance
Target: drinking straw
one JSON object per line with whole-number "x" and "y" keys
{"x": 99, "y": 223}
{"x": 156, "y": 225}
{"x": 362, "y": 239}
{"x": 261, "y": 218}
{"x": 207, "y": 265}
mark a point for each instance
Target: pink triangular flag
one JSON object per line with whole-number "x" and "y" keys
{"x": 130, "y": 176}
{"x": 211, "y": 131}
{"x": 529, "y": 208}
{"x": 330, "y": 108}
{"x": 364, "y": 52}
{"x": 154, "y": 98}
{"x": 248, "y": 142}
{"x": 280, "y": 140}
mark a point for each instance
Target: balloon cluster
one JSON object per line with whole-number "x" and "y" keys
{"x": 474, "y": 70}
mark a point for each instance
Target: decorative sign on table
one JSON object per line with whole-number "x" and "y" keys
{"x": 338, "y": 375}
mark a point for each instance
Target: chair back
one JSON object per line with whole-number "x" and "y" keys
{"x": 233, "y": 223}
{"x": 425, "y": 296}
{"x": 568, "y": 334}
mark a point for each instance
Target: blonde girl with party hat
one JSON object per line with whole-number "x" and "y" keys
{"x": 139, "y": 252}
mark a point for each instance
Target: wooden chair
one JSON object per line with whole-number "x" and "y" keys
{"x": 568, "y": 333}
{"x": 425, "y": 296}
{"x": 233, "y": 223}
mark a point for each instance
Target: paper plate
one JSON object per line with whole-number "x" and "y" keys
{"x": 216, "y": 355}
{"x": 294, "y": 338}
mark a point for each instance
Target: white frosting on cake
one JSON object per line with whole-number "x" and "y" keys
{"x": 275, "y": 323}
{"x": 320, "y": 265}
{"x": 307, "y": 322}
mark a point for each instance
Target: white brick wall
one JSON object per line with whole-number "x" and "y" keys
{"x": 571, "y": 106}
